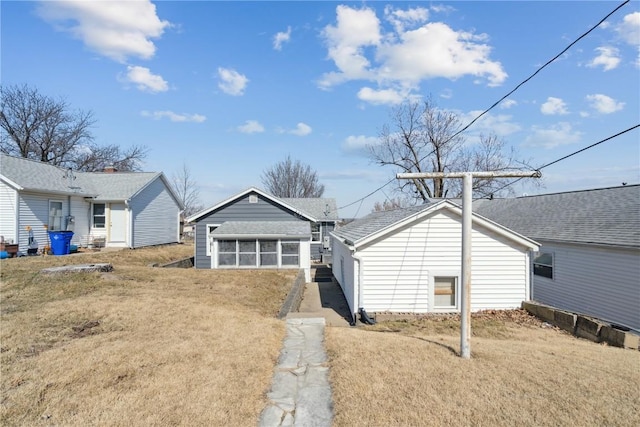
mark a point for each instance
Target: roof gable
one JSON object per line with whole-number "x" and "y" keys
{"x": 31, "y": 175}
{"x": 380, "y": 224}
{"x": 310, "y": 209}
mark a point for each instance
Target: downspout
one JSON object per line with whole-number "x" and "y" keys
{"x": 364, "y": 317}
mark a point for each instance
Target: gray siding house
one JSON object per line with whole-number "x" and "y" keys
{"x": 254, "y": 229}
{"x": 121, "y": 209}
{"x": 589, "y": 260}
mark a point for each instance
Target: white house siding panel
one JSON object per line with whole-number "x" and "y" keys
{"x": 8, "y": 212}
{"x": 81, "y": 211}
{"x": 155, "y": 217}
{"x": 344, "y": 270}
{"x": 397, "y": 268}
{"x": 593, "y": 280}
{"x": 34, "y": 212}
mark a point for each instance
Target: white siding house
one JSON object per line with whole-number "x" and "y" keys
{"x": 409, "y": 261}
{"x": 589, "y": 259}
{"x": 128, "y": 209}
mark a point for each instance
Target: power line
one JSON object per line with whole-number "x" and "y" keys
{"x": 567, "y": 156}
{"x": 502, "y": 99}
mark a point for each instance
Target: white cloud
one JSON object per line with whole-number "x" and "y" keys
{"x": 629, "y": 29}
{"x": 554, "y": 106}
{"x": 604, "y": 104}
{"x": 358, "y": 143}
{"x": 362, "y": 50}
{"x": 280, "y": 38}
{"x": 500, "y": 125}
{"x": 301, "y": 129}
{"x": 608, "y": 58}
{"x": 174, "y": 117}
{"x": 508, "y": 103}
{"x": 559, "y": 134}
{"x": 232, "y": 82}
{"x": 382, "y": 96}
{"x": 115, "y": 29}
{"x": 251, "y": 126}
{"x": 144, "y": 79}
{"x": 400, "y": 19}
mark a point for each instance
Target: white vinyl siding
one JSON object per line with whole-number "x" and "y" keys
{"x": 155, "y": 215}
{"x": 398, "y": 267}
{"x": 593, "y": 280}
{"x": 8, "y": 212}
{"x": 34, "y": 212}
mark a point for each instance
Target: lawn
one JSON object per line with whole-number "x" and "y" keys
{"x": 521, "y": 373}
{"x": 160, "y": 346}
{"x": 138, "y": 346}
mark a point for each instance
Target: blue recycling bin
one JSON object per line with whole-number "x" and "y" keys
{"x": 60, "y": 242}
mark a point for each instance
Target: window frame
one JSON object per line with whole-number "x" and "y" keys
{"x": 541, "y": 267}
{"x": 318, "y": 232}
{"x": 433, "y": 276}
{"x": 93, "y": 216}
{"x": 282, "y": 258}
{"x": 209, "y": 241}
{"x": 52, "y": 218}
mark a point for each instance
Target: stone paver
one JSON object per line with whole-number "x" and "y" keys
{"x": 300, "y": 393}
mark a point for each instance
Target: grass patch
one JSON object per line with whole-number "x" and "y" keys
{"x": 408, "y": 373}
{"x": 137, "y": 346}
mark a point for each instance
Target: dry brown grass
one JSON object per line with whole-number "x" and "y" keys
{"x": 139, "y": 346}
{"x": 408, "y": 374}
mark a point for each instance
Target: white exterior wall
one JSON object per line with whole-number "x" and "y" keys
{"x": 81, "y": 211}
{"x": 399, "y": 269}
{"x": 593, "y": 280}
{"x": 156, "y": 217}
{"x": 34, "y": 212}
{"x": 344, "y": 269}
{"x": 8, "y": 212}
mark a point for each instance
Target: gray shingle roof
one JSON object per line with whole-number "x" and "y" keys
{"x": 323, "y": 209}
{"x": 608, "y": 216}
{"x": 32, "y": 175}
{"x": 375, "y": 222}
{"x": 264, "y": 229}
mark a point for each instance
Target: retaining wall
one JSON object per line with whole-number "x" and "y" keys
{"x": 584, "y": 327}
{"x": 294, "y": 298}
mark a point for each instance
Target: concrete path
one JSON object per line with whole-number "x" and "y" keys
{"x": 300, "y": 393}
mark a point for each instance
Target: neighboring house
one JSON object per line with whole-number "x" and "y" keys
{"x": 409, "y": 261}
{"x": 117, "y": 209}
{"x": 589, "y": 260}
{"x": 254, "y": 229}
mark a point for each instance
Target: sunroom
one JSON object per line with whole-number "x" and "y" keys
{"x": 262, "y": 244}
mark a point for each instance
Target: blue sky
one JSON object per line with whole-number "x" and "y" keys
{"x": 231, "y": 88}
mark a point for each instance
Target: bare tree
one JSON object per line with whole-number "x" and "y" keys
{"x": 38, "y": 127}
{"x": 290, "y": 178}
{"x": 390, "y": 204}
{"x": 423, "y": 138}
{"x": 187, "y": 190}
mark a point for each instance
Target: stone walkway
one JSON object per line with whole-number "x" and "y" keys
{"x": 300, "y": 393}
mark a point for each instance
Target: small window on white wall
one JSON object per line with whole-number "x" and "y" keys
{"x": 445, "y": 292}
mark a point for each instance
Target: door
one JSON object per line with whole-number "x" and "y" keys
{"x": 118, "y": 223}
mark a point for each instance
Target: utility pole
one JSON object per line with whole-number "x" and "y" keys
{"x": 467, "y": 181}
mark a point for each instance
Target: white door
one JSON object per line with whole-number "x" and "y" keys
{"x": 118, "y": 223}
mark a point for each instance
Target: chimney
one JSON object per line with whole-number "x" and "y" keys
{"x": 110, "y": 169}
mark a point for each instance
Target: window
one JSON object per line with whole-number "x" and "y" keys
{"x": 253, "y": 198}
{"x": 268, "y": 253}
{"x": 445, "y": 292}
{"x": 316, "y": 232}
{"x": 55, "y": 215}
{"x": 290, "y": 253}
{"x": 227, "y": 252}
{"x": 247, "y": 253}
{"x": 543, "y": 265}
{"x": 99, "y": 217}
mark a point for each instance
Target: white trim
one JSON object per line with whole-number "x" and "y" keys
{"x": 208, "y": 238}
{"x": 49, "y": 214}
{"x": 443, "y": 273}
